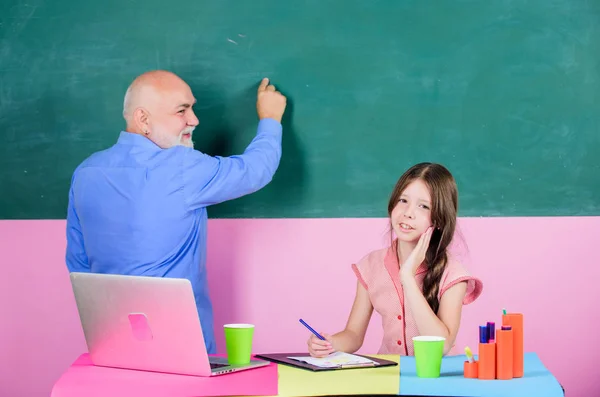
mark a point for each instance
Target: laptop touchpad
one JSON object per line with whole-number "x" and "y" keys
{"x": 140, "y": 327}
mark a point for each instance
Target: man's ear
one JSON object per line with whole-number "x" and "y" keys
{"x": 141, "y": 118}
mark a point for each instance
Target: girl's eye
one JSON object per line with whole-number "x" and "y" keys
{"x": 402, "y": 200}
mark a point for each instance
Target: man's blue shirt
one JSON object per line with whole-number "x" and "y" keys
{"x": 138, "y": 209}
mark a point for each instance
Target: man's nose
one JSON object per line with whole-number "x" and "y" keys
{"x": 192, "y": 119}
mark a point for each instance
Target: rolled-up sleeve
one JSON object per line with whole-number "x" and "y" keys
{"x": 455, "y": 273}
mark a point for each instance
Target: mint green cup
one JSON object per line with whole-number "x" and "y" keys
{"x": 238, "y": 339}
{"x": 429, "y": 351}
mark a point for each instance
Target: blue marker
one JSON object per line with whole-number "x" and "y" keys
{"x": 491, "y": 326}
{"x": 483, "y": 334}
{"x": 312, "y": 330}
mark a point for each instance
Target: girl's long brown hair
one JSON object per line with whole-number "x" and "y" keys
{"x": 444, "y": 208}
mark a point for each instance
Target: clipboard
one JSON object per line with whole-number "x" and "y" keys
{"x": 283, "y": 358}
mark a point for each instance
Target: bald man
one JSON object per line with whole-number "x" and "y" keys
{"x": 139, "y": 207}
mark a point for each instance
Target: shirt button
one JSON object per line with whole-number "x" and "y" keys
{"x": 400, "y": 342}
{"x": 399, "y": 317}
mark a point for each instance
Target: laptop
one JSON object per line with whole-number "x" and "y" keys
{"x": 145, "y": 323}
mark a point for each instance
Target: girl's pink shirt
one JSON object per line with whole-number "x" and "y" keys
{"x": 379, "y": 273}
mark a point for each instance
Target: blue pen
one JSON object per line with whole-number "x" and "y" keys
{"x": 312, "y": 330}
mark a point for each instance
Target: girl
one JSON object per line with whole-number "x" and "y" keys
{"x": 415, "y": 285}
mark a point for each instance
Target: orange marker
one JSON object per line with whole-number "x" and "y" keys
{"x": 471, "y": 369}
{"x": 504, "y": 353}
{"x": 487, "y": 361}
{"x": 470, "y": 366}
{"x": 515, "y": 320}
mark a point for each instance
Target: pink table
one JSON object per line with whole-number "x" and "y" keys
{"x": 85, "y": 379}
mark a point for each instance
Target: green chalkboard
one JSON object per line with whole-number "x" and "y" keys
{"x": 505, "y": 93}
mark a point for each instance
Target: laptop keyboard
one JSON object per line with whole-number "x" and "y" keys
{"x": 215, "y": 365}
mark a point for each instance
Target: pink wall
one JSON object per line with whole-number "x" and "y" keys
{"x": 257, "y": 265}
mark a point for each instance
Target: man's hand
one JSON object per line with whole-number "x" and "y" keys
{"x": 269, "y": 102}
